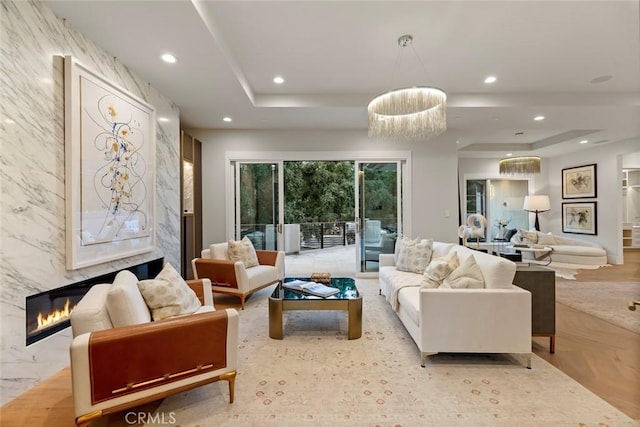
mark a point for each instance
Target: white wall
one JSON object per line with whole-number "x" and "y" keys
{"x": 434, "y": 176}
{"x": 33, "y": 198}
{"x": 608, "y": 158}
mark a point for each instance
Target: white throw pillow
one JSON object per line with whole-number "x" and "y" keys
{"x": 467, "y": 275}
{"x": 168, "y": 294}
{"x": 125, "y": 304}
{"x": 528, "y": 236}
{"x": 414, "y": 256}
{"x": 546, "y": 239}
{"x": 439, "y": 269}
{"x": 243, "y": 251}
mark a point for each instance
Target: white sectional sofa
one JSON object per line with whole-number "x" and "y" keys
{"x": 564, "y": 249}
{"x": 493, "y": 319}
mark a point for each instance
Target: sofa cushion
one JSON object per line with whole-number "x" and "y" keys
{"x": 498, "y": 272}
{"x": 439, "y": 269}
{"x": 409, "y": 302}
{"x": 441, "y": 249}
{"x": 91, "y": 314}
{"x": 168, "y": 294}
{"x": 243, "y": 251}
{"x": 219, "y": 251}
{"x": 467, "y": 275}
{"x": 125, "y": 304}
{"x": 414, "y": 256}
{"x": 262, "y": 274}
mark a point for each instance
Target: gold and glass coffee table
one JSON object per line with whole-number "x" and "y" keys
{"x": 348, "y": 299}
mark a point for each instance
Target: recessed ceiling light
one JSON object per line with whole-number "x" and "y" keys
{"x": 519, "y": 133}
{"x": 278, "y": 80}
{"x": 600, "y": 79}
{"x": 490, "y": 79}
{"x": 538, "y": 118}
{"x": 163, "y": 119}
{"x": 584, "y": 141}
{"x": 168, "y": 58}
{"x": 457, "y": 141}
{"x": 509, "y": 154}
{"x": 227, "y": 119}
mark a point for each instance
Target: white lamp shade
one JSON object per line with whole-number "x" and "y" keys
{"x": 536, "y": 203}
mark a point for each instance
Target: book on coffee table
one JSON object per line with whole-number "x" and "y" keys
{"x": 311, "y": 288}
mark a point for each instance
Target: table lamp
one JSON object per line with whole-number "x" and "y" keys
{"x": 537, "y": 204}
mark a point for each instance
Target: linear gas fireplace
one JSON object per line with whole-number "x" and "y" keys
{"x": 48, "y": 312}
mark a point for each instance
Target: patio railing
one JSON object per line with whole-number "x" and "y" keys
{"x": 313, "y": 235}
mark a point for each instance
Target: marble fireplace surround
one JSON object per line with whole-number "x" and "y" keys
{"x": 33, "y": 41}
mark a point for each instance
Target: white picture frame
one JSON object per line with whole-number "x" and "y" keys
{"x": 110, "y": 137}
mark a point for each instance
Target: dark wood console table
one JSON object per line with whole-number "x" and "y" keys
{"x": 541, "y": 282}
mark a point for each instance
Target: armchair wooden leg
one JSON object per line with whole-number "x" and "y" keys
{"x": 242, "y": 298}
{"x": 231, "y": 377}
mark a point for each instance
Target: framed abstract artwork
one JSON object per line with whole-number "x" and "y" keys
{"x": 109, "y": 170}
{"x": 579, "y": 182}
{"x": 580, "y": 218}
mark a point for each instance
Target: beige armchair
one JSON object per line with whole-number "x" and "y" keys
{"x": 232, "y": 277}
{"x": 116, "y": 367}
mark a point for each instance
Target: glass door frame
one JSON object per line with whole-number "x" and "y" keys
{"x": 234, "y": 214}
{"x": 279, "y": 157}
{"x": 359, "y": 218}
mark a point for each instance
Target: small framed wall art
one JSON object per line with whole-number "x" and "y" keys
{"x": 579, "y": 182}
{"x": 580, "y": 218}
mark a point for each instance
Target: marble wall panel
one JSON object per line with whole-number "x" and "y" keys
{"x": 32, "y": 196}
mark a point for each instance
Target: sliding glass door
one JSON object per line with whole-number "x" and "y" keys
{"x": 378, "y": 211}
{"x": 258, "y": 203}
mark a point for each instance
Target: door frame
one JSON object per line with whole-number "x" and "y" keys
{"x": 235, "y": 213}
{"x": 404, "y": 157}
{"x": 360, "y": 220}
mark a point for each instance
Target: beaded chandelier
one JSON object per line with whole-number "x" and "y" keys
{"x": 410, "y": 113}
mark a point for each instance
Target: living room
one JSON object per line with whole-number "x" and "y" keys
{"x": 33, "y": 195}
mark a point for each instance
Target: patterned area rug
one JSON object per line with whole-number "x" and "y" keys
{"x": 316, "y": 377}
{"x": 607, "y": 301}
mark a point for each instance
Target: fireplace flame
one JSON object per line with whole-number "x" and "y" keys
{"x": 54, "y": 317}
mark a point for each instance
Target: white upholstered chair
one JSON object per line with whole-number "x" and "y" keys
{"x": 121, "y": 359}
{"x": 232, "y": 277}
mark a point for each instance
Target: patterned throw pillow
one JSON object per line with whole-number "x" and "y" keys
{"x": 414, "y": 256}
{"x": 439, "y": 269}
{"x": 243, "y": 251}
{"x": 400, "y": 244}
{"x": 467, "y": 275}
{"x": 168, "y": 294}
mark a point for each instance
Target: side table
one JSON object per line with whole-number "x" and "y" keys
{"x": 541, "y": 282}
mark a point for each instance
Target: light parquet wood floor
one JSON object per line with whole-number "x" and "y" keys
{"x": 602, "y": 357}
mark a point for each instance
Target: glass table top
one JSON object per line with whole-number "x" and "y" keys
{"x": 346, "y": 285}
